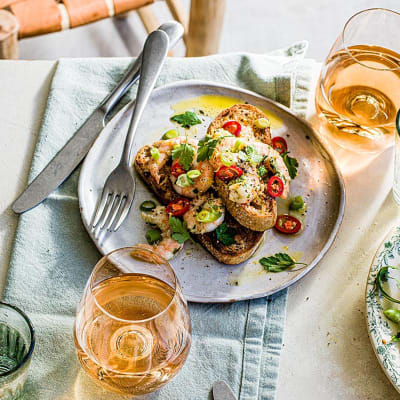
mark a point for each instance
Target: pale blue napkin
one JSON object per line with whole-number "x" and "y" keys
{"x": 53, "y": 255}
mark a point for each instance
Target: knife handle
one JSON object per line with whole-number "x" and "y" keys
{"x": 174, "y": 30}
{"x": 129, "y": 78}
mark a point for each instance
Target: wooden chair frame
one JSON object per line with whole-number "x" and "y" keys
{"x": 202, "y": 26}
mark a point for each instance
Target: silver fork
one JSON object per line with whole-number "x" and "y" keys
{"x": 119, "y": 189}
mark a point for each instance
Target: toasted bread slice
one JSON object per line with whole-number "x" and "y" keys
{"x": 246, "y": 115}
{"x": 247, "y": 240}
{"x": 163, "y": 190}
{"x": 261, "y": 213}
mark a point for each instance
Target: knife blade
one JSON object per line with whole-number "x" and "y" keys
{"x": 75, "y": 150}
{"x": 221, "y": 391}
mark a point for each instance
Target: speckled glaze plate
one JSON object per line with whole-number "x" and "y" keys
{"x": 380, "y": 329}
{"x": 202, "y": 277}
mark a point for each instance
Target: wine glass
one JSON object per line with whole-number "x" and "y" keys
{"x": 359, "y": 83}
{"x": 132, "y": 329}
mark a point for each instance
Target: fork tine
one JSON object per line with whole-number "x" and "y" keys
{"x": 100, "y": 207}
{"x": 115, "y": 210}
{"x": 118, "y": 214}
{"x": 107, "y": 211}
{"x": 124, "y": 213}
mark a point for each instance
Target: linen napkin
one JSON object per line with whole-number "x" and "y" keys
{"x": 53, "y": 255}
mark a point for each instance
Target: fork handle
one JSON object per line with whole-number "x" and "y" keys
{"x": 154, "y": 54}
{"x": 174, "y": 30}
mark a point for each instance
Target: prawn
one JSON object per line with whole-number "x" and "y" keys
{"x": 165, "y": 148}
{"x": 271, "y": 158}
{"x": 167, "y": 247}
{"x": 197, "y": 185}
{"x": 207, "y": 202}
{"x": 274, "y": 162}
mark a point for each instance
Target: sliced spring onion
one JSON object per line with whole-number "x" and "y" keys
{"x": 184, "y": 181}
{"x": 148, "y": 205}
{"x": 193, "y": 173}
{"x": 239, "y": 145}
{"x": 155, "y": 153}
{"x": 172, "y": 133}
{"x": 262, "y": 123}
{"x": 261, "y": 171}
{"x": 207, "y": 216}
{"x": 380, "y": 278}
{"x": 297, "y": 203}
{"x": 153, "y": 236}
{"x": 227, "y": 158}
{"x": 220, "y": 133}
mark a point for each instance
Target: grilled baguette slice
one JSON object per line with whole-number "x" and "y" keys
{"x": 247, "y": 240}
{"x": 261, "y": 213}
{"x": 246, "y": 115}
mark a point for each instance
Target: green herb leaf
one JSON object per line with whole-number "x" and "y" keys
{"x": 179, "y": 230}
{"x": 206, "y": 148}
{"x": 185, "y": 153}
{"x": 187, "y": 119}
{"x": 226, "y": 234}
{"x": 261, "y": 171}
{"x": 278, "y": 262}
{"x": 291, "y": 164}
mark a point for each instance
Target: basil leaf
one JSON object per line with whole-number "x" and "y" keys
{"x": 187, "y": 119}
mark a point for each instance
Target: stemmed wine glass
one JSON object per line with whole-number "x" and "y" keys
{"x": 132, "y": 328}
{"x": 359, "y": 86}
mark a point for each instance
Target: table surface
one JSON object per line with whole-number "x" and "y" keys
{"x": 327, "y": 352}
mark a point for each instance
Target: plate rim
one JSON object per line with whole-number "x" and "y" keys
{"x": 342, "y": 202}
{"x": 371, "y": 292}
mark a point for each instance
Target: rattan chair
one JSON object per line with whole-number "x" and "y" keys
{"x": 38, "y": 17}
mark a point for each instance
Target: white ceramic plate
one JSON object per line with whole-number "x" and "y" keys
{"x": 202, "y": 277}
{"x": 380, "y": 329}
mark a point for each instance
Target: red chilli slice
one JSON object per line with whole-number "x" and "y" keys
{"x": 178, "y": 207}
{"x": 233, "y": 127}
{"x": 177, "y": 169}
{"x": 287, "y": 224}
{"x": 275, "y": 186}
{"x": 279, "y": 144}
{"x": 228, "y": 173}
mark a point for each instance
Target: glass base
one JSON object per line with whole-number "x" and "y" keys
{"x": 352, "y": 141}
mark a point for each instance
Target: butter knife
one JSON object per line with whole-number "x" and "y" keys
{"x": 75, "y": 150}
{"x": 221, "y": 391}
